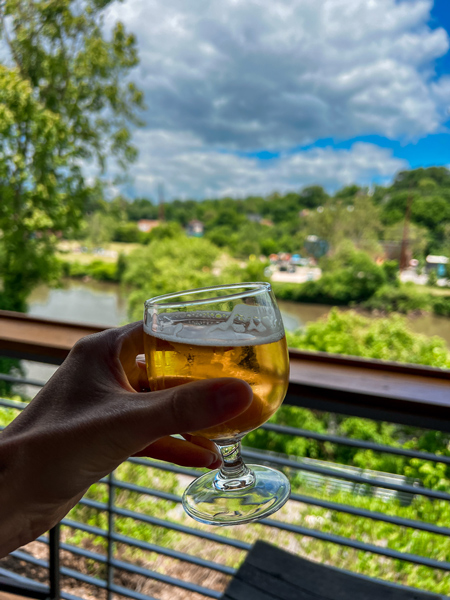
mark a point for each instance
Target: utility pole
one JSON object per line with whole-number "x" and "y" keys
{"x": 404, "y": 255}
{"x": 161, "y": 202}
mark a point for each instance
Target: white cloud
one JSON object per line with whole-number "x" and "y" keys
{"x": 251, "y": 74}
{"x": 275, "y": 74}
{"x": 190, "y": 170}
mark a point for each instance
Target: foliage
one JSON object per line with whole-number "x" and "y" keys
{"x": 441, "y": 306}
{"x": 350, "y": 276}
{"x": 165, "y": 231}
{"x": 62, "y": 101}
{"x": 127, "y": 233}
{"x": 168, "y": 265}
{"x": 404, "y": 299}
{"x": 97, "y": 269}
{"x": 350, "y": 218}
{"x": 432, "y": 278}
{"x": 385, "y": 339}
{"x": 429, "y": 190}
{"x": 12, "y": 367}
{"x": 390, "y": 268}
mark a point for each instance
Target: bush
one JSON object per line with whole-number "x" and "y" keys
{"x": 384, "y": 339}
{"x": 355, "y": 282}
{"x": 102, "y": 271}
{"x": 169, "y": 265}
{"x": 97, "y": 269}
{"x": 403, "y": 299}
{"x": 441, "y": 306}
{"x": 432, "y": 278}
{"x": 126, "y": 232}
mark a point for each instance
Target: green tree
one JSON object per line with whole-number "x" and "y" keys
{"x": 63, "y": 101}
{"x": 339, "y": 220}
{"x": 168, "y": 265}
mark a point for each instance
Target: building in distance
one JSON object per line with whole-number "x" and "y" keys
{"x": 146, "y": 225}
{"x": 195, "y": 228}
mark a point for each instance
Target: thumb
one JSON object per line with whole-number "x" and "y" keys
{"x": 187, "y": 408}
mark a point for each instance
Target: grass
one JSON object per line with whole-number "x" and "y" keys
{"x": 67, "y": 251}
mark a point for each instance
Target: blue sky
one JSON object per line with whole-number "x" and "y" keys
{"x": 249, "y": 97}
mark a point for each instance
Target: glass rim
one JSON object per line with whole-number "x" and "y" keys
{"x": 255, "y": 288}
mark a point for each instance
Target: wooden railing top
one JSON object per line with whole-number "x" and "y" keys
{"x": 390, "y": 391}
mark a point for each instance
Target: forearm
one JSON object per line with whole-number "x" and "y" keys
{"x": 16, "y": 528}
{"x": 29, "y": 505}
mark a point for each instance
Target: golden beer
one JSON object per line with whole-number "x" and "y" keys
{"x": 263, "y": 365}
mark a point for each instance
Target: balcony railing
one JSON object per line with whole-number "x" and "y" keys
{"x": 114, "y": 562}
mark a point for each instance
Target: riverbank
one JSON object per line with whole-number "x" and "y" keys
{"x": 105, "y": 303}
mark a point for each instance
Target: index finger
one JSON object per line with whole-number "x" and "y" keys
{"x": 131, "y": 343}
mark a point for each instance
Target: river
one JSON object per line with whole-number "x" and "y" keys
{"x": 102, "y": 303}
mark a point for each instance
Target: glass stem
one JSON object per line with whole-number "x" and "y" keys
{"x": 233, "y": 474}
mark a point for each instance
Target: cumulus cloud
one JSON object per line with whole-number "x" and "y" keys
{"x": 244, "y": 75}
{"x": 190, "y": 170}
{"x": 253, "y": 74}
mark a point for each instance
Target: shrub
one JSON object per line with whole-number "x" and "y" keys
{"x": 404, "y": 299}
{"x": 168, "y": 265}
{"x": 126, "y": 232}
{"x": 97, "y": 269}
{"x": 441, "y": 306}
{"x": 385, "y": 339}
{"x": 432, "y": 278}
{"x": 102, "y": 271}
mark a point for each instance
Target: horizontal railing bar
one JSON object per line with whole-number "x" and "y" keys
{"x": 131, "y": 487}
{"x": 284, "y": 430}
{"x": 63, "y": 570}
{"x": 207, "y": 564}
{"x": 130, "y": 568}
{"x": 213, "y": 537}
{"x": 376, "y": 516}
{"x": 302, "y": 531}
{"x": 186, "y": 585}
{"x": 311, "y": 500}
{"x": 21, "y": 580}
{"x": 67, "y": 596}
{"x": 345, "y": 508}
{"x": 145, "y": 462}
{"x": 285, "y": 462}
{"x": 101, "y": 583}
{"x": 118, "y": 589}
{"x": 86, "y": 528}
{"x": 122, "y": 539}
{"x": 39, "y": 562}
{"x": 348, "y": 542}
{"x": 335, "y": 439}
{"x": 21, "y": 380}
{"x": 13, "y": 404}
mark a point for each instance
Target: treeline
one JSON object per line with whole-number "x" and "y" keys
{"x": 281, "y": 223}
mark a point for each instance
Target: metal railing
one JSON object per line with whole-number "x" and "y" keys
{"x": 105, "y": 565}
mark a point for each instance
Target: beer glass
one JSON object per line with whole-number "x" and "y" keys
{"x": 224, "y": 331}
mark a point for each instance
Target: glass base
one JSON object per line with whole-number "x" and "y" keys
{"x": 267, "y": 491}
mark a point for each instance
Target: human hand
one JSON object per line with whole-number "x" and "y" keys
{"x": 89, "y": 418}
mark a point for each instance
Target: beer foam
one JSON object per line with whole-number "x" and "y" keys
{"x": 244, "y": 326}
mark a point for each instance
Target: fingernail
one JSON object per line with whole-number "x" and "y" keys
{"x": 214, "y": 458}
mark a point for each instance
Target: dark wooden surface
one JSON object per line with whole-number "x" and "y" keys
{"x": 43, "y": 340}
{"x": 269, "y": 573}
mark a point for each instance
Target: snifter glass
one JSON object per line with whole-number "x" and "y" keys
{"x": 224, "y": 331}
